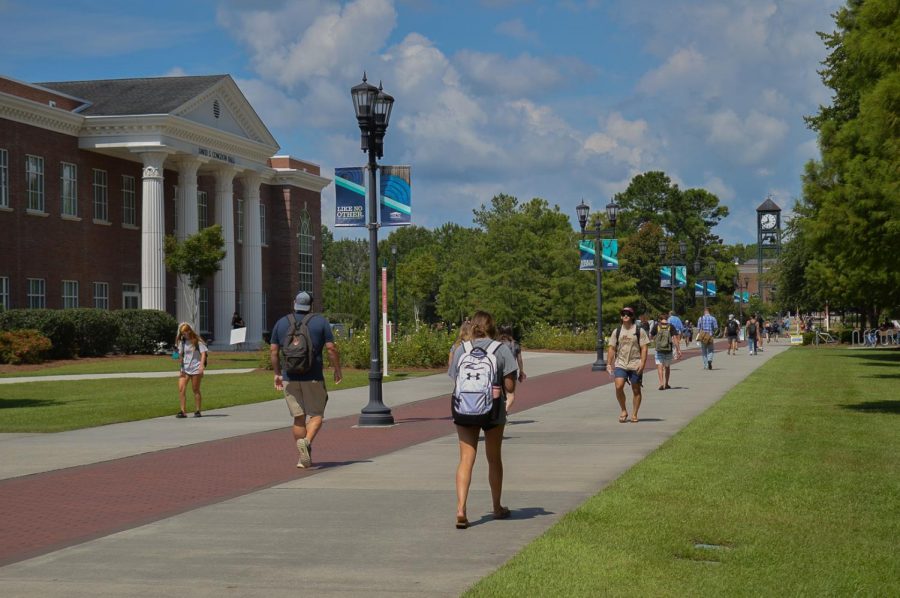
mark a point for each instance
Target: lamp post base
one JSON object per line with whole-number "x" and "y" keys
{"x": 600, "y": 364}
{"x": 376, "y": 413}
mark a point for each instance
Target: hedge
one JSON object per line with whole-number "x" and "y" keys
{"x": 144, "y": 330}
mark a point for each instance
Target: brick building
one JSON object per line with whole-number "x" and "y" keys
{"x": 94, "y": 174}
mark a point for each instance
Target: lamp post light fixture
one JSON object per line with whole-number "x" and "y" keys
{"x": 373, "y": 114}
{"x": 612, "y": 211}
{"x": 663, "y": 252}
{"x": 396, "y": 305}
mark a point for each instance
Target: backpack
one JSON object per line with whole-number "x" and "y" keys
{"x": 733, "y": 327}
{"x": 664, "y": 338}
{"x": 297, "y": 347}
{"x": 472, "y": 402}
{"x": 637, "y": 333}
{"x": 751, "y": 330}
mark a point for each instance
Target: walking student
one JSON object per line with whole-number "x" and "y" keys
{"x": 708, "y": 327}
{"x": 192, "y": 352}
{"x": 752, "y": 335}
{"x": 484, "y": 371}
{"x": 676, "y": 323}
{"x": 668, "y": 346}
{"x": 626, "y": 359}
{"x": 506, "y": 337}
{"x": 732, "y": 329}
{"x": 300, "y": 337}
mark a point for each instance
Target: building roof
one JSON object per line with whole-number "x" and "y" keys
{"x": 768, "y": 206}
{"x": 151, "y": 95}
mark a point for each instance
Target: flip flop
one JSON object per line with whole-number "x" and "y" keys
{"x": 503, "y": 513}
{"x": 634, "y": 420}
{"x": 461, "y": 522}
{"x": 623, "y": 418}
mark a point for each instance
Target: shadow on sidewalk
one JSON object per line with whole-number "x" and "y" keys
{"x": 875, "y": 407}
{"x": 524, "y": 513}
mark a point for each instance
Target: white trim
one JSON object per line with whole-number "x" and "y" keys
{"x": 39, "y": 115}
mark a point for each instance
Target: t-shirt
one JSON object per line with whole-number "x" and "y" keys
{"x": 319, "y": 332}
{"x": 628, "y": 353}
{"x": 506, "y": 362}
{"x": 191, "y": 357}
{"x": 676, "y": 323}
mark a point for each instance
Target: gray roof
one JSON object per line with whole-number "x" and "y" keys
{"x": 768, "y": 206}
{"x": 116, "y": 97}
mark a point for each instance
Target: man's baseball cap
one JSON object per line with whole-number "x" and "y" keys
{"x": 303, "y": 302}
{"x": 628, "y": 311}
{"x": 730, "y": 316}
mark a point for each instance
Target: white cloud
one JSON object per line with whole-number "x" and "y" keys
{"x": 748, "y": 139}
{"x": 516, "y": 29}
{"x": 524, "y": 75}
{"x": 175, "y": 71}
{"x": 684, "y": 66}
{"x": 720, "y": 188}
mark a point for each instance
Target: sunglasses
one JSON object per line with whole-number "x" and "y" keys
{"x": 627, "y": 316}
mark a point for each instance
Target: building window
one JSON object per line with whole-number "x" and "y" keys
{"x": 4, "y": 292}
{"x": 37, "y": 293}
{"x": 101, "y": 295}
{"x": 203, "y": 305}
{"x": 240, "y": 221}
{"x": 34, "y": 175}
{"x": 68, "y": 188}
{"x": 70, "y": 294}
{"x": 263, "y": 236}
{"x": 101, "y": 196}
{"x": 131, "y": 296}
{"x": 129, "y": 213}
{"x": 306, "y": 247}
{"x": 4, "y": 178}
{"x": 202, "y": 210}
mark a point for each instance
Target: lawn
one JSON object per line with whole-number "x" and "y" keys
{"x": 132, "y": 363}
{"x": 788, "y": 486}
{"x": 69, "y": 405}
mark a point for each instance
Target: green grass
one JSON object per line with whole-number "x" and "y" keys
{"x": 59, "y": 406}
{"x": 794, "y": 472}
{"x": 154, "y": 363}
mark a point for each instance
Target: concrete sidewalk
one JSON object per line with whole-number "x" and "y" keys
{"x": 378, "y": 527}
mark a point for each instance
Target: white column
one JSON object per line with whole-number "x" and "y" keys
{"x": 223, "y": 282}
{"x": 187, "y": 226}
{"x": 251, "y": 279}
{"x": 153, "y": 262}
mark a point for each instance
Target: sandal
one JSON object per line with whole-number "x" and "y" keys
{"x": 623, "y": 418}
{"x": 180, "y": 415}
{"x": 461, "y": 522}
{"x": 502, "y": 513}
{"x": 634, "y": 419}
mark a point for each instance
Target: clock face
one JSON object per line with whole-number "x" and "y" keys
{"x": 768, "y": 221}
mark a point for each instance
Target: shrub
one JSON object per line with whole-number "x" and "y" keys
{"x": 544, "y": 336}
{"x": 23, "y": 346}
{"x": 96, "y": 331}
{"x": 57, "y": 325}
{"x": 144, "y": 330}
{"x": 808, "y": 337}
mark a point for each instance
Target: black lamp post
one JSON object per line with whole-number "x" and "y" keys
{"x": 738, "y": 282}
{"x": 396, "y": 312}
{"x": 663, "y": 252}
{"x": 698, "y": 268}
{"x": 612, "y": 211}
{"x": 373, "y": 113}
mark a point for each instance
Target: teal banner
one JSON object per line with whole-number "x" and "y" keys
{"x": 705, "y": 286}
{"x": 665, "y": 277}
{"x": 349, "y": 197}
{"x": 610, "y": 254}
{"x": 396, "y": 200}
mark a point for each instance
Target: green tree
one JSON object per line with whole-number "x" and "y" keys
{"x": 194, "y": 260}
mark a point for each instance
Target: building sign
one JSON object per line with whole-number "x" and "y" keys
{"x": 208, "y": 153}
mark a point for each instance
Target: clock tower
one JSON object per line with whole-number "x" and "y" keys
{"x": 768, "y": 236}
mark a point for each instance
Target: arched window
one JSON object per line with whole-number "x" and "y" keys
{"x": 306, "y": 253}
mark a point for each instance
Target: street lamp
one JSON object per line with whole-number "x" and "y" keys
{"x": 740, "y": 283}
{"x": 612, "y": 211}
{"x": 396, "y": 312}
{"x": 663, "y": 252}
{"x": 373, "y": 114}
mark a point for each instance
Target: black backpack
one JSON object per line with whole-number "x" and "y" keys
{"x": 297, "y": 347}
{"x": 733, "y": 327}
{"x": 751, "y": 329}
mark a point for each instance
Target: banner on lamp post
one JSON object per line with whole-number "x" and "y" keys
{"x": 384, "y": 325}
{"x": 610, "y": 254}
{"x": 396, "y": 199}
{"x": 349, "y": 196}
{"x": 665, "y": 277}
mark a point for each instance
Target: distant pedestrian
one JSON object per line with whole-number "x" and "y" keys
{"x": 708, "y": 327}
{"x": 688, "y": 333}
{"x": 626, "y": 360}
{"x": 506, "y": 337}
{"x": 476, "y": 355}
{"x": 192, "y": 352}
{"x": 732, "y": 330}
{"x": 237, "y": 321}
{"x": 676, "y": 323}
{"x": 667, "y": 347}
{"x": 304, "y": 387}
{"x": 752, "y": 333}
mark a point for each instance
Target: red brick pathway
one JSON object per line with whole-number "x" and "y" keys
{"x": 45, "y": 512}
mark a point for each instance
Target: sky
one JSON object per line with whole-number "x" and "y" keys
{"x": 564, "y": 100}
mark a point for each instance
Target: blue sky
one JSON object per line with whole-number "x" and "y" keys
{"x": 558, "y": 99}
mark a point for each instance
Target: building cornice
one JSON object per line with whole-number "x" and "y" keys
{"x": 38, "y": 115}
{"x": 295, "y": 178}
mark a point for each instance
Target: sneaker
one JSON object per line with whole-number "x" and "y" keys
{"x": 305, "y": 453}
{"x": 180, "y": 415}
{"x": 709, "y": 364}
{"x": 197, "y": 414}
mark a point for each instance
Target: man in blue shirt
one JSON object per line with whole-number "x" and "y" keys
{"x": 708, "y": 325}
{"x": 305, "y": 393}
{"x": 676, "y": 323}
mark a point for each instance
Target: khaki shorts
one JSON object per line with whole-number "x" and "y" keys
{"x": 306, "y": 398}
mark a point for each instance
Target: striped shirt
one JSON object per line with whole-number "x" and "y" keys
{"x": 707, "y": 323}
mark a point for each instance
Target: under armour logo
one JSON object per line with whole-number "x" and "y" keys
{"x": 470, "y": 375}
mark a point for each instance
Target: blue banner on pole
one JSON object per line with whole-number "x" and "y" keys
{"x": 610, "y": 254}
{"x": 710, "y": 288}
{"x": 349, "y": 197}
{"x": 396, "y": 201}
{"x": 665, "y": 277}
{"x": 705, "y": 286}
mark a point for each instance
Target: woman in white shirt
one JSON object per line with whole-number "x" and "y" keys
{"x": 192, "y": 352}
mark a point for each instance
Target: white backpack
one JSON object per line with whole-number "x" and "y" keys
{"x": 476, "y": 373}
